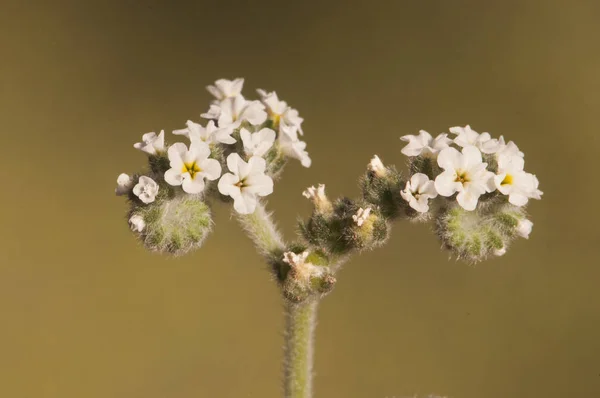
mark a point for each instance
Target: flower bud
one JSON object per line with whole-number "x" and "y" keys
{"x": 124, "y": 184}
{"x": 524, "y": 228}
{"x": 381, "y": 187}
{"x": 173, "y": 225}
{"x": 308, "y": 274}
{"x": 319, "y": 199}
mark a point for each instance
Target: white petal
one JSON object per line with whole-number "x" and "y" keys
{"x": 518, "y": 199}
{"x": 449, "y": 159}
{"x": 193, "y": 185}
{"x": 467, "y": 200}
{"x": 471, "y": 156}
{"x": 417, "y": 181}
{"x": 261, "y": 185}
{"x": 244, "y": 203}
{"x": 199, "y": 151}
{"x": 257, "y": 165}
{"x": 524, "y": 228}
{"x": 446, "y": 185}
{"x": 177, "y": 153}
{"x": 227, "y": 185}
{"x": 428, "y": 190}
{"x": 211, "y": 168}
{"x": 173, "y": 176}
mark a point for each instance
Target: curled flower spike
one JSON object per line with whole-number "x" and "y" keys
{"x": 257, "y": 144}
{"x": 469, "y": 137}
{"x": 418, "y": 191}
{"x": 146, "y": 189}
{"x": 245, "y": 182}
{"x": 190, "y": 167}
{"x": 211, "y": 134}
{"x": 151, "y": 143}
{"x": 223, "y": 88}
{"x": 124, "y": 184}
{"x": 137, "y": 223}
{"x": 424, "y": 144}
{"x": 464, "y": 173}
{"x": 361, "y": 216}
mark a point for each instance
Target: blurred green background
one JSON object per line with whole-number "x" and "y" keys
{"x": 86, "y": 312}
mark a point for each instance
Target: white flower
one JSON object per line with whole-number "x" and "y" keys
{"x": 151, "y": 143}
{"x": 464, "y": 173}
{"x": 303, "y": 270}
{"x": 279, "y": 111}
{"x": 424, "y": 144}
{"x": 361, "y": 216}
{"x": 146, "y": 189}
{"x": 524, "y": 228}
{"x": 190, "y": 167}
{"x": 511, "y": 180}
{"x": 224, "y": 88}
{"x": 257, "y": 144}
{"x": 509, "y": 149}
{"x": 245, "y": 182}
{"x": 124, "y": 183}
{"x": 377, "y": 167}
{"x": 231, "y": 112}
{"x": 467, "y": 137}
{"x": 418, "y": 191}
{"x": 292, "y": 146}
{"x": 211, "y": 134}
{"x": 137, "y": 223}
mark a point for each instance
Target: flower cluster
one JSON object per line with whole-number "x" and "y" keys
{"x": 234, "y": 155}
{"x": 483, "y": 165}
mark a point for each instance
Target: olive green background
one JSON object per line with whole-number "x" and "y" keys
{"x": 86, "y": 312}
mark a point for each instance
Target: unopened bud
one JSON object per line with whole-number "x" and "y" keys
{"x": 361, "y": 216}
{"x": 524, "y": 228}
{"x": 137, "y": 223}
{"x": 124, "y": 184}
{"x": 376, "y": 166}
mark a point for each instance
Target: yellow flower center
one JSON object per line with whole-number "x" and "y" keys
{"x": 508, "y": 180}
{"x": 191, "y": 168}
{"x": 462, "y": 177}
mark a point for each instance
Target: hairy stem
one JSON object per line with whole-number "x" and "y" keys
{"x": 300, "y": 321}
{"x": 262, "y": 230}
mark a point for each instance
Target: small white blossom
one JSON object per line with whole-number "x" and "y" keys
{"x": 424, "y": 144}
{"x": 464, "y": 173}
{"x": 146, "y": 189}
{"x": 291, "y": 146}
{"x": 466, "y": 136}
{"x": 245, "y": 182}
{"x": 137, "y": 223}
{"x": 508, "y": 149}
{"x": 361, "y": 216}
{"x": 124, "y": 183}
{"x": 279, "y": 111}
{"x": 190, "y": 167}
{"x": 211, "y": 134}
{"x": 151, "y": 143}
{"x": 259, "y": 143}
{"x": 303, "y": 270}
{"x": 377, "y": 167}
{"x": 524, "y": 228}
{"x": 224, "y": 88}
{"x": 419, "y": 189}
{"x": 513, "y": 181}
{"x": 232, "y": 111}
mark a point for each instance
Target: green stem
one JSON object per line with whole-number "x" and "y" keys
{"x": 300, "y": 321}
{"x": 261, "y": 229}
